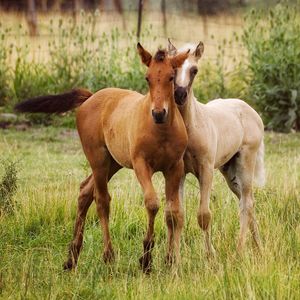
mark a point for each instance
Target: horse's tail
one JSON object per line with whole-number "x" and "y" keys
{"x": 54, "y": 103}
{"x": 259, "y": 173}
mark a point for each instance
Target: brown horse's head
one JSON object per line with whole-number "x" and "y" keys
{"x": 160, "y": 77}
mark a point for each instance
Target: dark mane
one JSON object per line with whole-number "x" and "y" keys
{"x": 160, "y": 55}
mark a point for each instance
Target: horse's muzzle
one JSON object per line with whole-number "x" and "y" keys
{"x": 180, "y": 95}
{"x": 159, "y": 117}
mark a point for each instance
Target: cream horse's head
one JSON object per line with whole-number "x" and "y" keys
{"x": 185, "y": 75}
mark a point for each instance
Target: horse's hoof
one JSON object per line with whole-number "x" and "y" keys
{"x": 169, "y": 260}
{"x": 211, "y": 253}
{"x": 108, "y": 256}
{"x": 258, "y": 250}
{"x": 68, "y": 265}
{"x": 145, "y": 263}
{"x": 257, "y": 247}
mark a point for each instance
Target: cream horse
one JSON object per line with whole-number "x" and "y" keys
{"x": 224, "y": 134}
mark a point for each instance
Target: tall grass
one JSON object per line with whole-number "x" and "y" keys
{"x": 34, "y": 240}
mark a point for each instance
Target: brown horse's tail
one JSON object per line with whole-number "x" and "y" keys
{"x": 54, "y": 103}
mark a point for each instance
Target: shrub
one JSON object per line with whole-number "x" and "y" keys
{"x": 273, "y": 42}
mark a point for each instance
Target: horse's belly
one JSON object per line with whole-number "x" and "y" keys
{"x": 228, "y": 146}
{"x": 120, "y": 155}
{"x": 118, "y": 147}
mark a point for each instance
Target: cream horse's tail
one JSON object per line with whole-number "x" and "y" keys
{"x": 259, "y": 172}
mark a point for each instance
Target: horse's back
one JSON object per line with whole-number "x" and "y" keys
{"x": 237, "y": 124}
{"x": 224, "y": 111}
{"x": 106, "y": 102}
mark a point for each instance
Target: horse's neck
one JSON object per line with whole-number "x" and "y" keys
{"x": 190, "y": 110}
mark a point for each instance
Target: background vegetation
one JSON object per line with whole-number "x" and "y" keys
{"x": 258, "y": 60}
{"x": 273, "y": 43}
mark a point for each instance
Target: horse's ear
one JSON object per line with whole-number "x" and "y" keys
{"x": 144, "y": 54}
{"x": 199, "y": 50}
{"x": 179, "y": 59}
{"x": 172, "y": 51}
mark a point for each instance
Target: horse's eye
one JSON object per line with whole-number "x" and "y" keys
{"x": 171, "y": 78}
{"x": 147, "y": 79}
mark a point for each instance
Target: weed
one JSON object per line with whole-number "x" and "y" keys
{"x": 8, "y": 186}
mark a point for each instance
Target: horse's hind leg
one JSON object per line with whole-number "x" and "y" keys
{"x": 102, "y": 175}
{"x": 231, "y": 172}
{"x": 239, "y": 172}
{"x": 84, "y": 201}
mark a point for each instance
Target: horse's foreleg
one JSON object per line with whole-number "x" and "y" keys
{"x": 84, "y": 201}
{"x": 144, "y": 174}
{"x": 204, "y": 213}
{"x": 174, "y": 211}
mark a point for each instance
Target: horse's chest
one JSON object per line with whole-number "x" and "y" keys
{"x": 199, "y": 150}
{"x": 164, "y": 154}
{"x": 191, "y": 163}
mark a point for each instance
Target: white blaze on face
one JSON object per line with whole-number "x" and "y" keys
{"x": 183, "y": 74}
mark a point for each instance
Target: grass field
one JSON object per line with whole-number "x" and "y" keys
{"x": 34, "y": 239}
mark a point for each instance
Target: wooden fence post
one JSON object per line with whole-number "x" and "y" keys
{"x": 163, "y": 10}
{"x": 139, "y": 19}
{"x": 31, "y": 18}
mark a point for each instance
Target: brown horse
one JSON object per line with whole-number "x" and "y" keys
{"x": 121, "y": 128}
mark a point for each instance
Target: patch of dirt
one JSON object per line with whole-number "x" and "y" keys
{"x": 20, "y": 126}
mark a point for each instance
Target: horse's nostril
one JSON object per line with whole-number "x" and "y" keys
{"x": 180, "y": 95}
{"x": 177, "y": 93}
{"x": 159, "y": 116}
